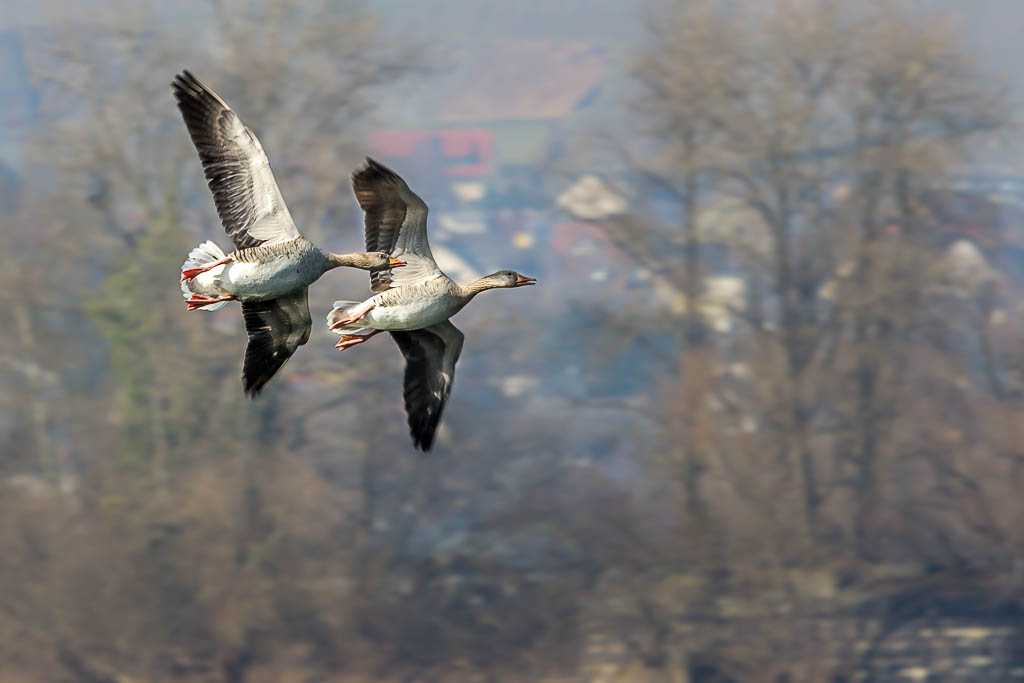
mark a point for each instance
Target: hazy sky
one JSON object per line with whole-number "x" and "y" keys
{"x": 580, "y": 19}
{"x": 603, "y": 20}
{"x": 994, "y": 27}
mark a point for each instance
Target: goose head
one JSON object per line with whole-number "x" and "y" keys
{"x": 381, "y": 259}
{"x": 503, "y": 278}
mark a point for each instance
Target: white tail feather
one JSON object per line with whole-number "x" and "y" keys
{"x": 340, "y": 308}
{"x": 207, "y": 252}
{"x": 214, "y": 307}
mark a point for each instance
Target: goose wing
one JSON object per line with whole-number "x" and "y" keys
{"x": 396, "y": 223}
{"x": 276, "y": 328}
{"x": 430, "y": 357}
{"x": 248, "y": 200}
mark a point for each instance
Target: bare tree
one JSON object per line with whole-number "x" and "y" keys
{"x": 812, "y": 118}
{"x": 188, "y": 499}
{"x": 804, "y": 138}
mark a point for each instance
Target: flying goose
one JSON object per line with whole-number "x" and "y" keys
{"x": 415, "y": 303}
{"x": 274, "y": 265}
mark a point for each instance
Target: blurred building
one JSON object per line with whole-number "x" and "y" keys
{"x": 500, "y": 117}
{"x": 489, "y": 133}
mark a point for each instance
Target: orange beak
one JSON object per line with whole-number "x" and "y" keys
{"x": 522, "y": 281}
{"x": 395, "y": 263}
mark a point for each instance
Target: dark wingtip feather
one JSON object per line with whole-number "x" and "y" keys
{"x": 259, "y": 366}
{"x": 362, "y": 169}
{"x": 423, "y": 427}
{"x": 372, "y": 171}
{"x": 423, "y": 442}
{"x": 188, "y": 90}
{"x": 183, "y": 82}
{"x": 422, "y": 436}
{"x": 251, "y": 388}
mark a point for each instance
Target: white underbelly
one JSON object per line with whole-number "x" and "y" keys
{"x": 405, "y": 317}
{"x": 255, "y": 281}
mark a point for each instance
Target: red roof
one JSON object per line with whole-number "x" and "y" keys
{"x": 459, "y": 152}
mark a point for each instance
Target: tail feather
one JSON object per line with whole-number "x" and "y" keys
{"x": 207, "y": 252}
{"x": 213, "y": 307}
{"x": 339, "y": 310}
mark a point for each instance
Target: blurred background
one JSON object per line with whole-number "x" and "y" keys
{"x": 762, "y": 420}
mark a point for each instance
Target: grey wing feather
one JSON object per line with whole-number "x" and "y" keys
{"x": 396, "y": 223}
{"x": 248, "y": 199}
{"x": 430, "y": 357}
{"x": 276, "y": 328}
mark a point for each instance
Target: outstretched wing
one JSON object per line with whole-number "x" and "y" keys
{"x": 248, "y": 200}
{"x": 396, "y": 223}
{"x": 276, "y": 328}
{"x": 430, "y": 357}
